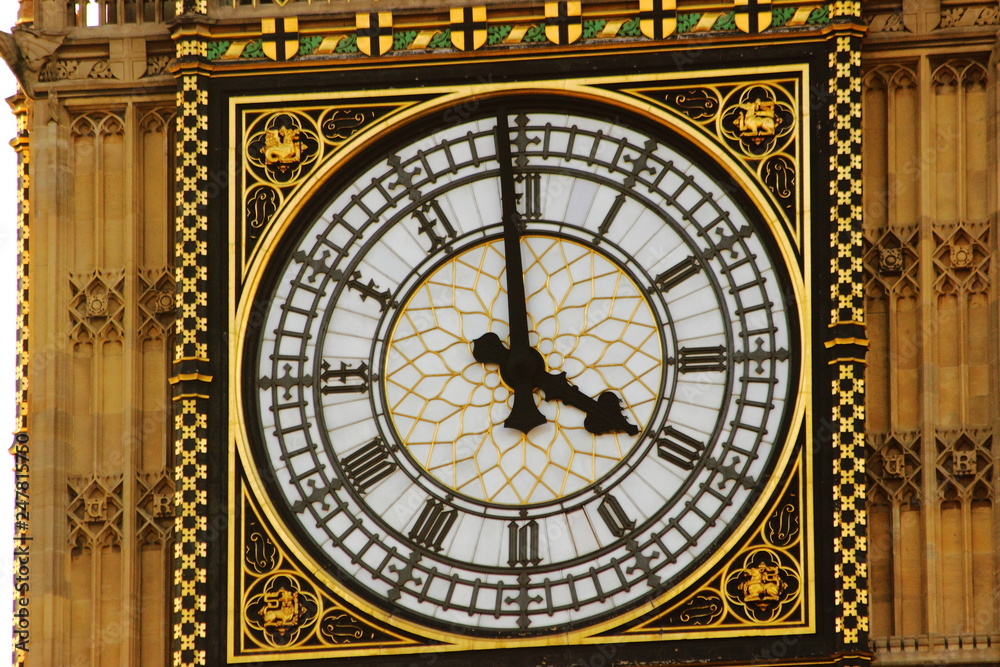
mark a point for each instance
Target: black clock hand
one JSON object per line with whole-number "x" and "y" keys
{"x": 521, "y": 363}
{"x": 604, "y": 415}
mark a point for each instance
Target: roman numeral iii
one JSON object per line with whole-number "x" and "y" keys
{"x": 701, "y": 359}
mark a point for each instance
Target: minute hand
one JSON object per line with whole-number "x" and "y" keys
{"x": 523, "y": 364}
{"x": 517, "y": 311}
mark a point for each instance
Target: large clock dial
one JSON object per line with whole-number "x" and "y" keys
{"x": 524, "y": 372}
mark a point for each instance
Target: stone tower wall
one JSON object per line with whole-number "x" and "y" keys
{"x": 930, "y": 119}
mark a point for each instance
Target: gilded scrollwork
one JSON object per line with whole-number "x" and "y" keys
{"x": 284, "y": 612}
{"x": 260, "y": 554}
{"x": 702, "y": 609}
{"x": 339, "y": 627}
{"x": 339, "y": 125}
{"x": 778, "y": 174}
{"x": 698, "y": 104}
{"x": 757, "y": 122}
{"x": 760, "y": 585}
{"x": 782, "y": 528}
{"x": 261, "y": 203}
{"x": 283, "y": 147}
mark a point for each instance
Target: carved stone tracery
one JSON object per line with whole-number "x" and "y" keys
{"x": 889, "y": 77}
{"x": 964, "y": 467}
{"x": 94, "y": 512}
{"x": 962, "y": 259}
{"x": 97, "y": 306}
{"x": 156, "y": 303}
{"x": 155, "y": 507}
{"x": 980, "y": 15}
{"x": 891, "y": 262}
{"x": 894, "y": 470}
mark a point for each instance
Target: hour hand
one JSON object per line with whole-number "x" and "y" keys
{"x": 604, "y": 415}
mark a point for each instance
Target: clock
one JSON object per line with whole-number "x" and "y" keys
{"x": 520, "y": 371}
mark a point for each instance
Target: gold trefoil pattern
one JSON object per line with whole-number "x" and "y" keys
{"x": 757, "y": 122}
{"x": 282, "y": 608}
{"x": 431, "y": 376}
{"x": 282, "y": 148}
{"x": 761, "y": 585}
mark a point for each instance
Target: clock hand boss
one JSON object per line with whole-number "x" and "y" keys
{"x": 604, "y": 414}
{"x": 522, "y": 367}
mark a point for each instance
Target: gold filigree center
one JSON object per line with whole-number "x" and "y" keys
{"x": 587, "y": 318}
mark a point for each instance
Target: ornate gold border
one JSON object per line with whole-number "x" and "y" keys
{"x": 316, "y": 618}
{"x": 846, "y": 340}
{"x": 408, "y": 30}
{"x": 719, "y": 604}
{"x": 319, "y": 132}
{"x": 240, "y": 309}
{"x": 190, "y": 380}
{"x": 708, "y": 114}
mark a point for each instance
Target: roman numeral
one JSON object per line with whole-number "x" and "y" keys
{"x": 523, "y": 544}
{"x": 532, "y": 196}
{"x": 697, "y": 359}
{"x": 368, "y": 466}
{"x": 679, "y": 448}
{"x": 427, "y": 224}
{"x": 369, "y": 290}
{"x": 342, "y": 374}
{"x": 677, "y": 274}
{"x": 433, "y": 524}
{"x": 614, "y": 516}
{"x": 616, "y": 206}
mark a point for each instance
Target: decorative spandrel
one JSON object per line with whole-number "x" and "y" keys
{"x": 758, "y": 123}
{"x": 282, "y": 147}
{"x": 762, "y": 586}
{"x": 283, "y": 609}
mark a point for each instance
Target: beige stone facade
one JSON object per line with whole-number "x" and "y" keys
{"x": 96, "y": 155}
{"x": 930, "y": 166}
{"x": 97, "y": 112}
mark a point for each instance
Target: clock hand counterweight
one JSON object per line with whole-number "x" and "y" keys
{"x": 522, "y": 367}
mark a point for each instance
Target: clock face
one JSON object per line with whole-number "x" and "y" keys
{"x": 522, "y": 372}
